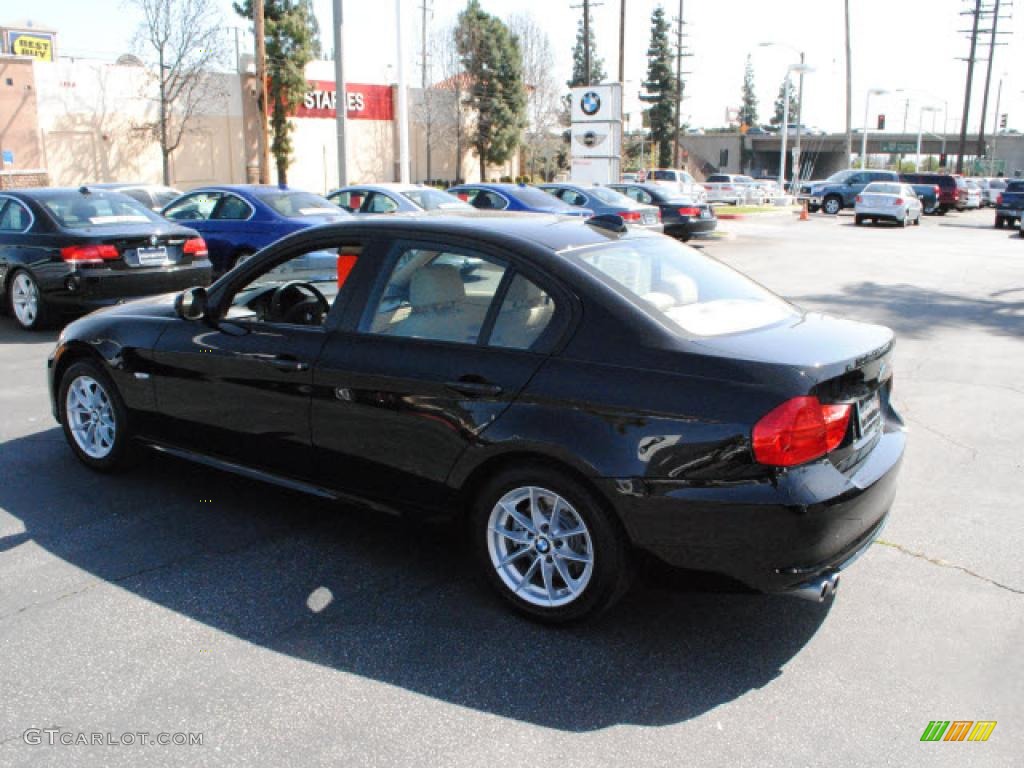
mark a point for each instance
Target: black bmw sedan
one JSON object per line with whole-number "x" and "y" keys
{"x": 572, "y": 391}
{"x": 72, "y": 250}
{"x": 683, "y": 217}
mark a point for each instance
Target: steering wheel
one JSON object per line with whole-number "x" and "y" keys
{"x": 298, "y": 302}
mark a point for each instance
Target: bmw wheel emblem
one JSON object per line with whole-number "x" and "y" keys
{"x": 591, "y": 103}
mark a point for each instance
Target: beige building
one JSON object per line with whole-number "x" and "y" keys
{"x": 83, "y": 121}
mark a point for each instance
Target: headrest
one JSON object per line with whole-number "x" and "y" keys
{"x": 523, "y": 294}
{"x": 83, "y": 211}
{"x": 436, "y": 284}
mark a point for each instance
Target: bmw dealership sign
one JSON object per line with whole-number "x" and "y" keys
{"x": 596, "y": 133}
{"x": 596, "y": 103}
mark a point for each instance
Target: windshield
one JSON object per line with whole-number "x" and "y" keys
{"x": 538, "y": 198}
{"x": 881, "y": 188}
{"x": 997, "y": 184}
{"x": 690, "y": 293}
{"x": 295, "y": 204}
{"x": 662, "y": 175}
{"x": 75, "y": 210}
{"x": 435, "y": 199}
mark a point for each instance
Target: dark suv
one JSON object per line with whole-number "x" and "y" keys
{"x": 1010, "y": 205}
{"x": 840, "y": 190}
{"x": 950, "y": 186}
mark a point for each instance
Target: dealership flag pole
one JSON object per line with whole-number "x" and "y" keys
{"x": 403, "y": 103}
{"x": 340, "y": 99}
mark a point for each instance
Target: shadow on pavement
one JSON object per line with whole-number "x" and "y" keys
{"x": 383, "y": 598}
{"x": 10, "y": 333}
{"x": 913, "y": 311}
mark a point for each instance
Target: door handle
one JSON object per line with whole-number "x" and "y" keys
{"x": 289, "y": 364}
{"x": 475, "y": 388}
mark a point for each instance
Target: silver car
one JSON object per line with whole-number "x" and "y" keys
{"x": 394, "y": 198}
{"x": 887, "y": 201}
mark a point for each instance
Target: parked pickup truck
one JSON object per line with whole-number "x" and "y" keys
{"x": 1010, "y": 204}
{"x": 928, "y": 194}
{"x": 839, "y": 190}
{"x": 734, "y": 189}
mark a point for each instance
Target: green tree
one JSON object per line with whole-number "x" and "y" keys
{"x": 293, "y": 40}
{"x": 780, "y": 104}
{"x": 660, "y": 88}
{"x": 493, "y": 64}
{"x": 579, "y": 62}
{"x": 748, "y": 107}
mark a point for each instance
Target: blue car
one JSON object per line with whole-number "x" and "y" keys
{"x": 515, "y": 197}
{"x": 236, "y": 220}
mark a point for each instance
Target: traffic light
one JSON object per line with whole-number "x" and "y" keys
{"x": 942, "y": 160}
{"x": 881, "y": 122}
{"x": 1002, "y": 121}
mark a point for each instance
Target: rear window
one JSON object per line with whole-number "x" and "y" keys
{"x": 997, "y": 184}
{"x": 74, "y": 210}
{"x": 689, "y": 293}
{"x": 882, "y": 188}
{"x": 295, "y": 205}
{"x": 1015, "y": 186}
{"x": 538, "y": 198}
{"x": 662, "y": 175}
{"x": 435, "y": 199}
{"x": 716, "y": 177}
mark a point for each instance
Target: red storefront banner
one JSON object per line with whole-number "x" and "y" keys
{"x": 365, "y": 102}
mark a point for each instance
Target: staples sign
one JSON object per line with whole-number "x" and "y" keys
{"x": 365, "y": 102}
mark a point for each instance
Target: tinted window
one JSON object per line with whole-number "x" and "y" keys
{"x": 997, "y": 184}
{"x": 437, "y": 295}
{"x": 380, "y": 203}
{"x": 688, "y": 292}
{"x": 1015, "y": 186}
{"x": 14, "y": 217}
{"x": 295, "y": 204}
{"x": 662, "y": 175}
{"x": 534, "y": 197}
{"x": 194, "y": 207}
{"x": 572, "y": 197}
{"x": 351, "y": 200}
{"x": 232, "y": 208}
{"x": 524, "y": 314}
{"x": 840, "y": 177}
{"x": 486, "y": 200}
{"x": 717, "y": 178}
{"x": 75, "y": 210}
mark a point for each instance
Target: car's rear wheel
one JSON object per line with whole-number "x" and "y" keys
{"x": 1000, "y": 222}
{"x": 905, "y": 220}
{"x": 858, "y": 220}
{"x": 548, "y": 545}
{"x": 93, "y": 416}
{"x": 832, "y": 205}
{"x": 26, "y": 302}
{"x": 813, "y": 208}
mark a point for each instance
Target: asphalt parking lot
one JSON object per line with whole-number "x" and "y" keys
{"x": 288, "y": 631}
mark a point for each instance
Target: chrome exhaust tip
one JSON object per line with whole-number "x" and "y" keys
{"x": 818, "y": 589}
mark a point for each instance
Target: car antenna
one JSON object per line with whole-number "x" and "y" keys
{"x": 84, "y": 190}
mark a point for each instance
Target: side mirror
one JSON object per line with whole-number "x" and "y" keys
{"x": 190, "y": 304}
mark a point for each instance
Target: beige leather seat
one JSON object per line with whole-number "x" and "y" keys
{"x": 524, "y": 315}
{"x": 437, "y": 297}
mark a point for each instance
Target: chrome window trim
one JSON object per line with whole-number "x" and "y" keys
{"x": 31, "y": 216}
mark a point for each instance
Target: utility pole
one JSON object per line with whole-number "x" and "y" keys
{"x": 849, "y": 89}
{"x": 799, "y": 125}
{"x": 622, "y": 44}
{"x": 995, "y": 130}
{"x": 679, "y": 85}
{"x": 586, "y": 40}
{"x": 403, "y": 101}
{"x": 261, "y": 77}
{"x": 988, "y": 77}
{"x": 425, "y": 100}
{"x": 962, "y": 147}
{"x": 340, "y": 97}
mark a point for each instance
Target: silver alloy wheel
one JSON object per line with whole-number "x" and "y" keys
{"x": 832, "y": 206}
{"x": 540, "y": 546}
{"x": 90, "y": 416}
{"x": 25, "y": 299}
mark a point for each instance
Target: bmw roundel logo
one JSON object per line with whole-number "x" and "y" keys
{"x": 591, "y": 103}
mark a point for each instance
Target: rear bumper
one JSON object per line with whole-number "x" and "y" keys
{"x": 772, "y": 536}
{"x": 888, "y": 213}
{"x": 691, "y": 228}
{"x": 92, "y": 288}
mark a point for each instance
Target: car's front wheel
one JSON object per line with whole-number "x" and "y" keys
{"x": 93, "y": 416}
{"x": 548, "y": 545}
{"x": 832, "y": 205}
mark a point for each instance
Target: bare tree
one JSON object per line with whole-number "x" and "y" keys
{"x": 446, "y": 98}
{"x": 185, "y": 37}
{"x": 543, "y": 104}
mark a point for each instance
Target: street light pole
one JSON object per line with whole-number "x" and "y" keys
{"x": 340, "y": 99}
{"x": 920, "y": 131}
{"x": 785, "y": 134}
{"x": 801, "y": 68}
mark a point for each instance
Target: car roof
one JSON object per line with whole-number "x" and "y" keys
{"x": 384, "y": 186}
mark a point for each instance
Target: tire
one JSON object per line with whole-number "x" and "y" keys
{"x": 86, "y": 389}
{"x": 813, "y": 208}
{"x": 25, "y": 302}
{"x": 858, "y": 220}
{"x": 832, "y": 205}
{"x": 904, "y": 221}
{"x": 525, "y": 567}
{"x": 1000, "y": 222}
{"x": 917, "y": 221}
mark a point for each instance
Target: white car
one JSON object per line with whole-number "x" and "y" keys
{"x": 973, "y": 195}
{"x": 686, "y": 184}
{"x": 887, "y": 201}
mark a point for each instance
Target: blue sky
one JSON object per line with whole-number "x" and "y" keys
{"x": 910, "y": 44}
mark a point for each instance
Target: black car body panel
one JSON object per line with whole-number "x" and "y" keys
{"x": 657, "y": 422}
{"x": 671, "y": 203}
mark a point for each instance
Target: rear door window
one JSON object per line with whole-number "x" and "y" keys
{"x": 232, "y": 208}
{"x": 195, "y": 207}
{"x": 14, "y": 217}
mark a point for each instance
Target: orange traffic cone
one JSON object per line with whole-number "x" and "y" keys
{"x": 804, "y": 216}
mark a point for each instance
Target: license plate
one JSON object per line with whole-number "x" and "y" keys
{"x": 869, "y": 415}
{"x": 151, "y": 256}
{"x": 705, "y": 213}
{"x": 649, "y": 218}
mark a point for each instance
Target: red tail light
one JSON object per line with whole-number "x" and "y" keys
{"x": 689, "y": 211}
{"x": 630, "y": 216}
{"x": 999, "y": 200}
{"x": 860, "y": 199}
{"x": 798, "y": 431}
{"x": 89, "y": 253}
{"x": 937, "y": 190}
{"x": 196, "y": 247}
{"x": 658, "y": 214}
{"x": 898, "y": 201}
